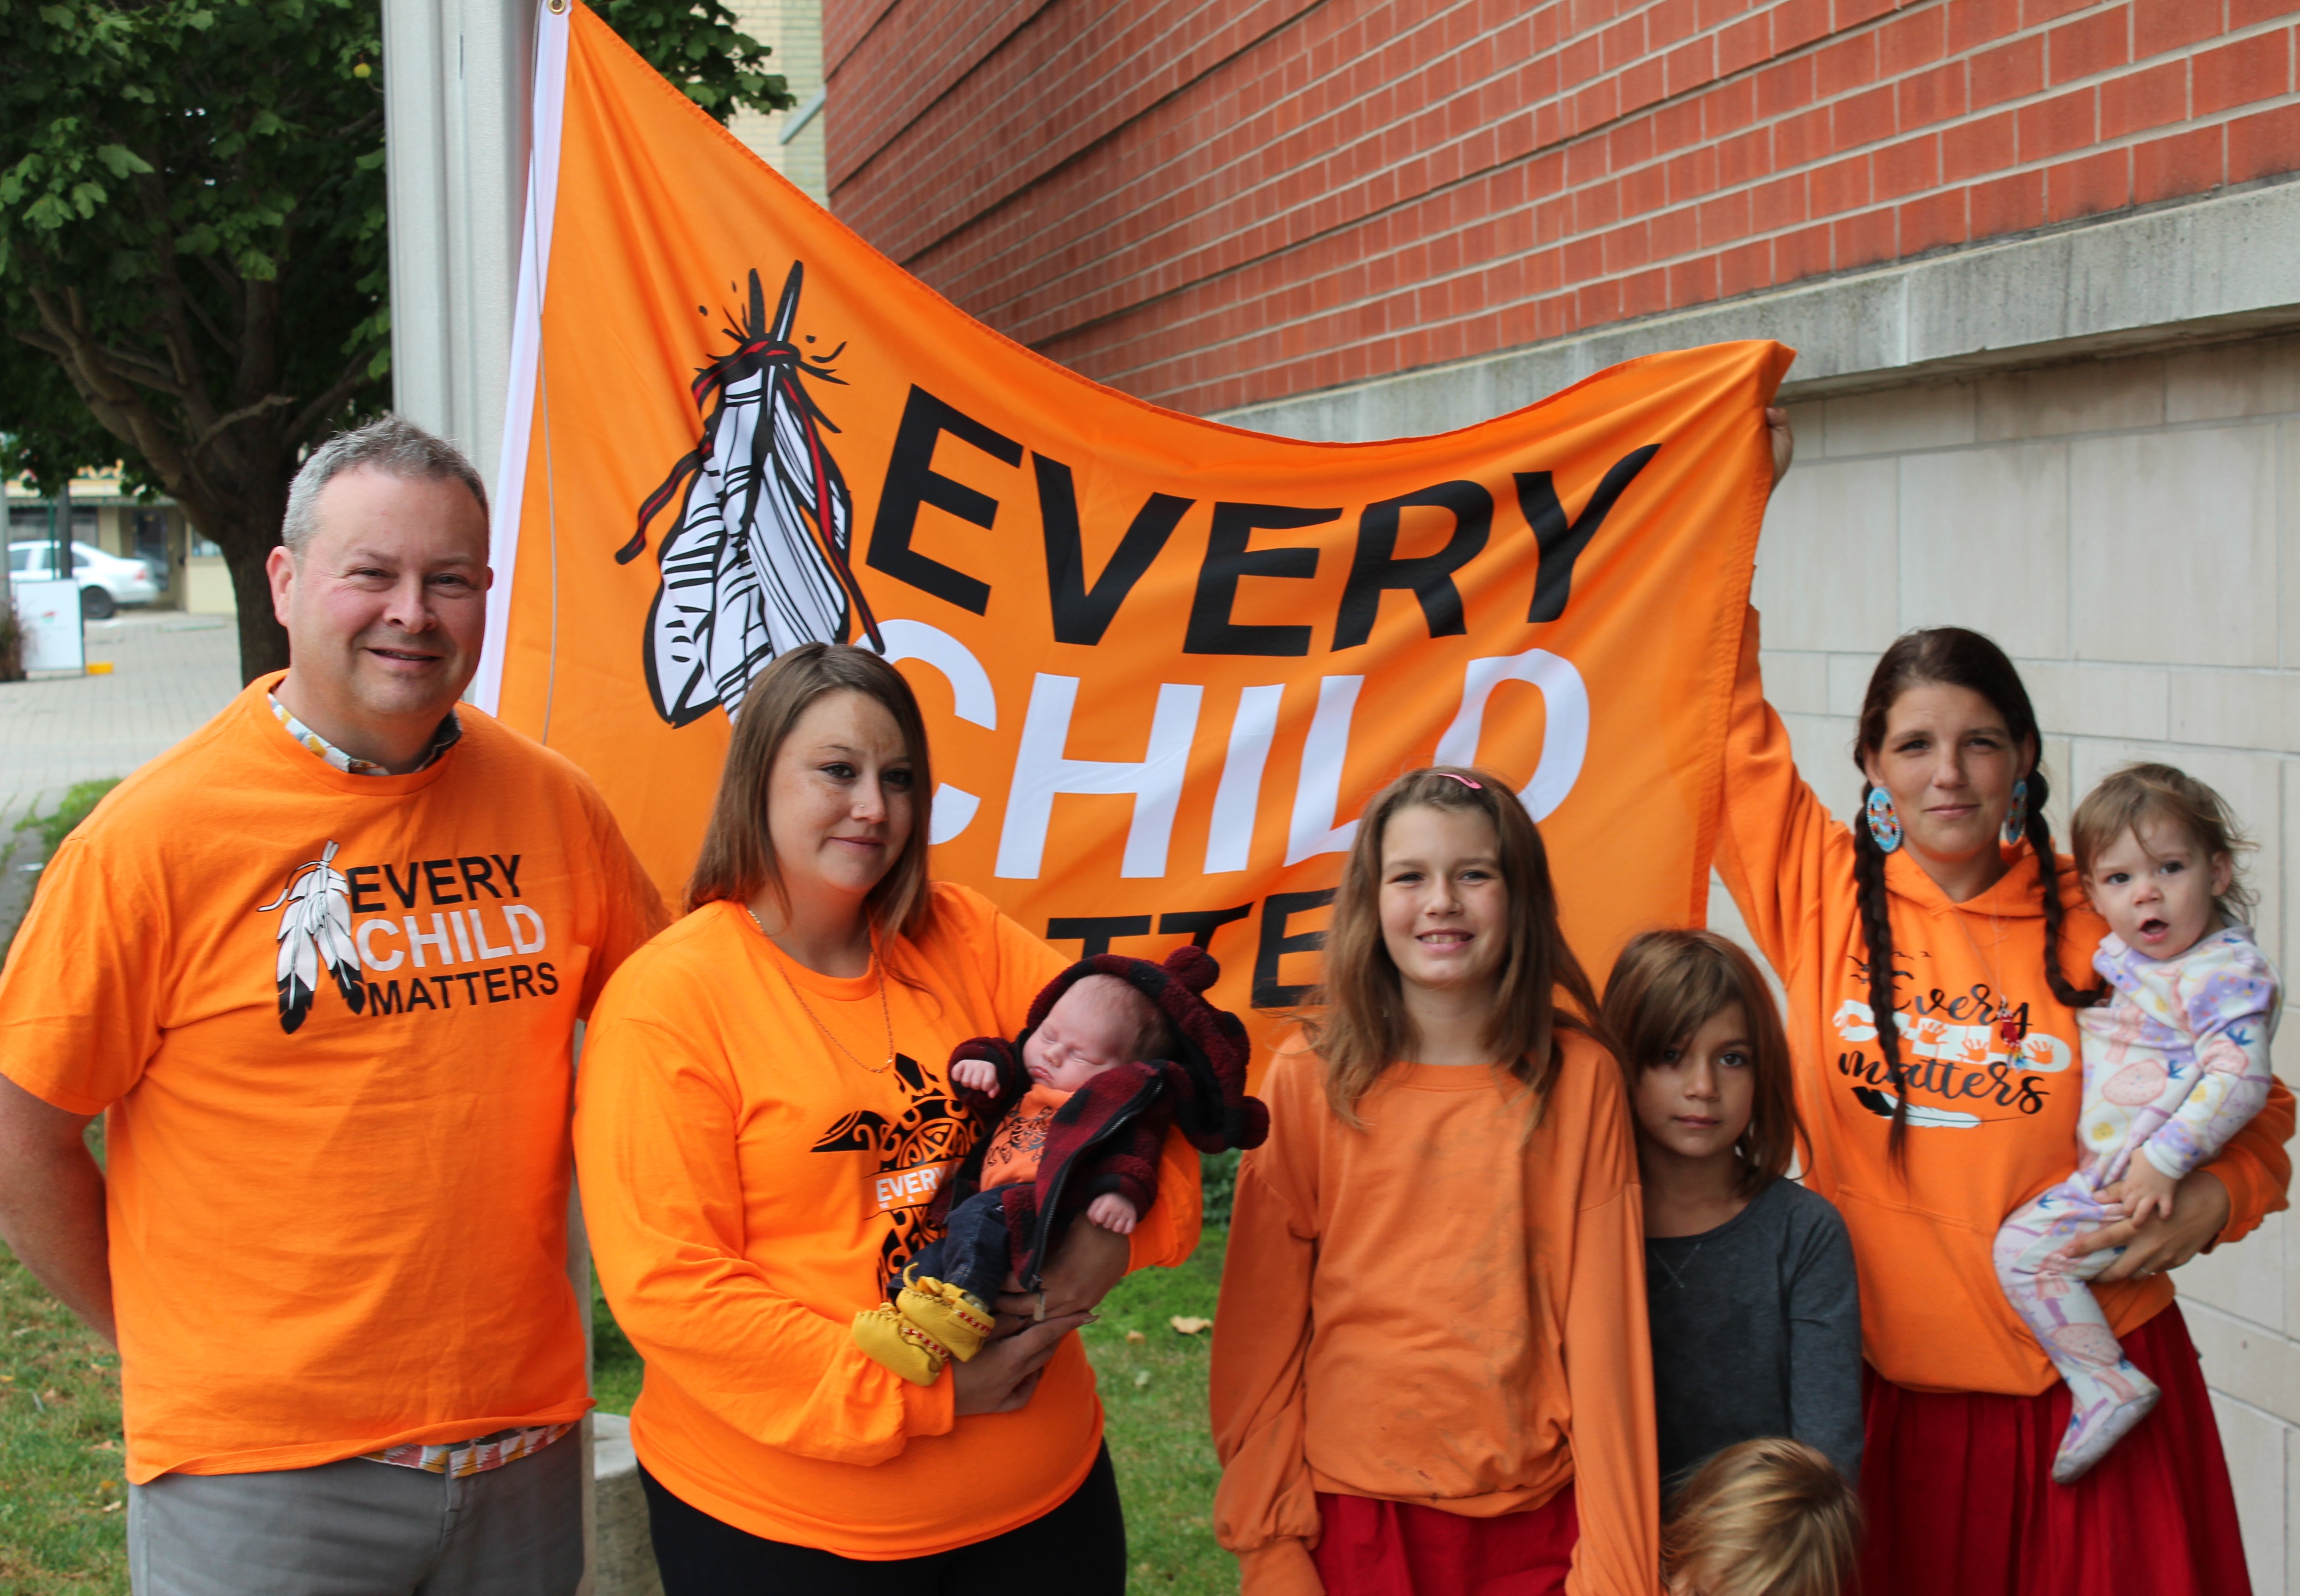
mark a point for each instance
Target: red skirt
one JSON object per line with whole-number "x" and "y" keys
{"x": 1371, "y": 1547}
{"x": 1960, "y": 1493}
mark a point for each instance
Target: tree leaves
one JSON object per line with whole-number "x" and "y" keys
{"x": 699, "y": 48}
{"x": 192, "y": 217}
{"x": 122, "y": 161}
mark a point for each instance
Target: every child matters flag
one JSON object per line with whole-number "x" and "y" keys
{"x": 1163, "y": 661}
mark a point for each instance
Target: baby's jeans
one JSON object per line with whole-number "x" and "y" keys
{"x": 976, "y": 1249}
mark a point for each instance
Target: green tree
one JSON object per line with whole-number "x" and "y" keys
{"x": 193, "y": 261}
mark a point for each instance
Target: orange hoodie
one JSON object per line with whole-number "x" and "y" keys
{"x": 750, "y": 1184}
{"x": 1989, "y": 1129}
{"x": 1437, "y": 1309}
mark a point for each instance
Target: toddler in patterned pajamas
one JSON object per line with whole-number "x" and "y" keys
{"x": 2175, "y": 1061}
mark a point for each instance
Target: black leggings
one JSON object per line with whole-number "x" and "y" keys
{"x": 1081, "y": 1545}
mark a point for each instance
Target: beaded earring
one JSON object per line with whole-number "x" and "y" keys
{"x": 1884, "y": 820}
{"x": 2016, "y": 819}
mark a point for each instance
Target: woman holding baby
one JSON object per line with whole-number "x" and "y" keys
{"x": 765, "y": 1117}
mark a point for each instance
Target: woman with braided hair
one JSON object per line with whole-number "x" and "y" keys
{"x": 1936, "y": 953}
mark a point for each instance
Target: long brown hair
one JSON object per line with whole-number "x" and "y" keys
{"x": 1948, "y": 657}
{"x": 1666, "y": 986}
{"x": 738, "y": 859}
{"x": 1357, "y": 1022}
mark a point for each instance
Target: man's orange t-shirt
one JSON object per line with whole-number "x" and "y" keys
{"x": 751, "y": 1184}
{"x": 331, "y": 1017}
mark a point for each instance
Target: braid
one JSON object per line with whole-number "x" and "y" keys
{"x": 2039, "y": 833}
{"x": 1876, "y": 930}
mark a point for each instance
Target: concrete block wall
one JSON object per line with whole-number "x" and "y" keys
{"x": 2128, "y": 529}
{"x": 1216, "y": 205}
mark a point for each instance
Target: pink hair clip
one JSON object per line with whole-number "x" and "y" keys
{"x": 1465, "y": 781}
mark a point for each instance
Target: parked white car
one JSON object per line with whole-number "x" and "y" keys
{"x": 107, "y": 581}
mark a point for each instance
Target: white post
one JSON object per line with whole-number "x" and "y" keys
{"x": 458, "y": 79}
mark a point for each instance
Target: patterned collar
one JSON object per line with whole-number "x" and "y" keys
{"x": 450, "y": 730}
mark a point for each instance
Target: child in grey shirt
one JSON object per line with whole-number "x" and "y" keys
{"x": 1750, "y": 1290}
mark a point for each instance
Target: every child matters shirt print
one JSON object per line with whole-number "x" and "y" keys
{"x": 330, "y": 1015}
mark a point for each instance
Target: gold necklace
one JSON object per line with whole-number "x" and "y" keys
{"x": 884, "y": 1013}
{"x": 2010, "y": 1032}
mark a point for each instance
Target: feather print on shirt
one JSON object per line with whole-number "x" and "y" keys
{"x": 757, "y": 561}
{"x": 316, "y": 929}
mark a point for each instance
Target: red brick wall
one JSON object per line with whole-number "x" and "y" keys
{"x": 1208, "y": 203}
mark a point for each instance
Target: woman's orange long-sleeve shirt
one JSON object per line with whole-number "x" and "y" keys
{"x": 1990, "y": 1125}
{"x": 1437, "y": 1309}
{"x": 748, "y": 1186}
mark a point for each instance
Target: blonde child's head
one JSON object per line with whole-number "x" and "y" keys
{"x": 1668, "y": 991}
{"x": 1515, "y": 957}
{"x": 1767, "y": 1517}
{"x": 2156, "y": 803}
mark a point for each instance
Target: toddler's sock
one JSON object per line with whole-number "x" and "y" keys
{"x": 2105, "y": 1400}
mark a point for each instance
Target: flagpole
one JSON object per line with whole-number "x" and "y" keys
{"x": 457, "y": 76}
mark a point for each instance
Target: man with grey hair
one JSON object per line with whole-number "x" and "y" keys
{"x": 320, "y": 964}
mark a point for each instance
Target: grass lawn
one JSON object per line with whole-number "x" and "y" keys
{"x": 61, "y": 1495}
{"x": 1154, "y": 1392}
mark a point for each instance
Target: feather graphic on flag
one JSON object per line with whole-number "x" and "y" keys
{"x": 757, "y": 561}
{"x": 316, "y": 929}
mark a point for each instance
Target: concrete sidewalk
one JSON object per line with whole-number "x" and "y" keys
{"x": 170, "y": 674}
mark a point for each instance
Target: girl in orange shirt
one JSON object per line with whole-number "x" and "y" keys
{"x": 1431, "y": 1374}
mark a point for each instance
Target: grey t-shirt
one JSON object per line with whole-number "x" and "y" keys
{"x": 1757, "y": 1331}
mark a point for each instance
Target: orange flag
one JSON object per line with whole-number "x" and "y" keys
{"x": 1164, "y": 661}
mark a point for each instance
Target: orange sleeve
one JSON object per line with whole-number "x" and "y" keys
{"x": 1609, "y": 1364}
{"x": 79, "y": 998}
{"x": 1169, "y": 1233}
{"x": 662, "y": 1197}
{"x": 2255, "y": 1167}
{"x": 1774, "y": 845}
{"x": 631, "y": 910}
{"x": 1265, "y": 1508}
{"x": 1019, "y": 966}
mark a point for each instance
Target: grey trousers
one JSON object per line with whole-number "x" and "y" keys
{"x": 357, "y": 1528}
